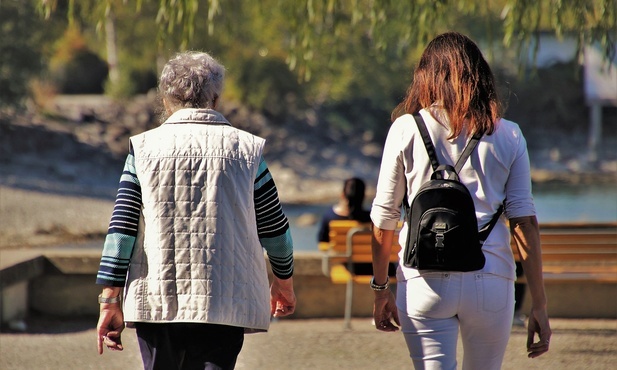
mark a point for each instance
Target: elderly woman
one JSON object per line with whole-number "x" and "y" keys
{"x": 195, "y": 205}
{"x": 453, "y": 90}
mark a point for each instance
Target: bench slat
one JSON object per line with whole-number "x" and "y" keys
{"x": 579, "y": 269}
{"x": 588, "y": 247}
{"x": 360, "y": 252}
{"x": 580, "y": 276}
{"x": 601, "y": 239}
{"x": 587, "y": 252}
{"x": 571, "y": 253}
{"x": 565, "y": 258}
{"x": 578, "y": 225}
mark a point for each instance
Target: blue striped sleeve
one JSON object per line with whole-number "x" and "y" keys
{"x": 122, "y": 231}
{"x": 272, "y": 224}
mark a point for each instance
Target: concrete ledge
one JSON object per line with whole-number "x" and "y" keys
{"x": 67, "y": 287}
{"x": 16, "y": 270}
{"x": 578, "y": 299}
{"x": 84, "y": 261}
{"x": 62, "y": 282}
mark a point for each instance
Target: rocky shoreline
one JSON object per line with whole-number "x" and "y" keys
{"x": 59, "y": 169}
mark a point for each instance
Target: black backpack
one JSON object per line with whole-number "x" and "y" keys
{"x": 442, "y": 226}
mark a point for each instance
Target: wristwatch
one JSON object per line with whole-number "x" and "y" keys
{"x": 109, "y": 299}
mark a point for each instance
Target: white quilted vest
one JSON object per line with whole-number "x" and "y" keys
{"x": 197, "y": 257}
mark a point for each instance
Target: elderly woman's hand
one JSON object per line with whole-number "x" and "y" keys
{"x": 110, "y": 326}
{"x": 384, "y": 311}
{"x": 282, "y": 297}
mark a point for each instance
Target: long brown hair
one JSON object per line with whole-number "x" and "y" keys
{"x": 453, "y": 74}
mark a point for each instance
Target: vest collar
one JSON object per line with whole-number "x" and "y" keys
{"x": 202, "y": 116}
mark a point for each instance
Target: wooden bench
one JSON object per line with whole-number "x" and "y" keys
{"x": 577, "y": 252}
{"x": 571, "y": 253}
{"x": 350, "y": 245}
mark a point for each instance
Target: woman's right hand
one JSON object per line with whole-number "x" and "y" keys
{"x": 384, "y": 311}
{"x": 110, "y": 326}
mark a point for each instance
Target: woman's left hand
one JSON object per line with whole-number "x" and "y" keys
{"x": 538, "y": 324}
{"x": 384, "y": 311}
{"x": 282, "y": 297}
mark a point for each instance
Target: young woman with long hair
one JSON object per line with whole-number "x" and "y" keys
{"x": 454, "y": 91}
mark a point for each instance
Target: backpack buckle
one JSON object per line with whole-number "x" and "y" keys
{"x": 439, "y": 241}
{"x": 440, "y": 230}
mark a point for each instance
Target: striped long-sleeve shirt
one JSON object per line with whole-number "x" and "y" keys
{"x": 272, "y": 226}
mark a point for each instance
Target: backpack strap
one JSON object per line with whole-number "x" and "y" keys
{"x": 486, "y": 230}
{"x": 430, "y": 148}
{"x": 471, "y": 145}
{"x": 469, "y": 148}
{"x": 426, "y": 138}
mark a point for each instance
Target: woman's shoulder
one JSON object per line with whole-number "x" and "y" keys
{"x": 506, "y": 130}
{"x": 507, "y": 141}
{"x": 403, "y": 128}
{"x": 403, "y": 122}
{"x": 331, "y": 215}
{"x": 508, "y": 125}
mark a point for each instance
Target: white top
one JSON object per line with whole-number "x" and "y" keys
{"x": 497, "y": 171}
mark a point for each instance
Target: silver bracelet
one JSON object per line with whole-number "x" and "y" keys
{"x": 377, "y": 287}
{"x": 109, "y": 299}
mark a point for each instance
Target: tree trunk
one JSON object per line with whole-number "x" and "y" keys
{"x": 112, "y": 49}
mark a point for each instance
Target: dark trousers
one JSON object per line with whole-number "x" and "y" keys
{"x": 188, "y": 346}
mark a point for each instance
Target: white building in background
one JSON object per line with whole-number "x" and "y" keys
{"x": 551, "y": 51}
{"x": 599, "y": 73}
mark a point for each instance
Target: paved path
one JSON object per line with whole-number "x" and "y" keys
{"x": 302, "y": 344}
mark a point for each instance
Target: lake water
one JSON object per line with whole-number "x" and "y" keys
{"x": 554, "y": 203}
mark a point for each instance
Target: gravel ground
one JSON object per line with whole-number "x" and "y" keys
{"x": 33, "y": 218}
{"x": 54, "y": 213}
{"x": 303, "y": 344}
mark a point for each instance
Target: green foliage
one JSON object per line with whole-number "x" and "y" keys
{"x": 351, "y": 60}
{"x": 589, "y": 22}
{"x": 308, "y": 22}
{"x": 130, "y": 83}
{"x": 121, "y": 89}
{"x": 20, "y": 55}
{"x": 266, "y": 84}
{"x": 550, "y": 109}
{"x": 74, "y": 68}
{"x": 85, "y": 73}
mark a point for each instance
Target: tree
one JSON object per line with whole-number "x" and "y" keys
{"x": 413, "y": 21}
{"x": 19, "y": 53}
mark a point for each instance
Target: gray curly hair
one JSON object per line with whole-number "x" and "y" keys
{"x": 192, "y": 80}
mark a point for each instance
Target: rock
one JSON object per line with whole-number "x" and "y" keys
{"x": 84, "y": 142}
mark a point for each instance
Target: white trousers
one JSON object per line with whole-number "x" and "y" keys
{"x": 434, "y": 306}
